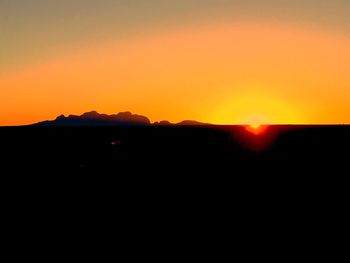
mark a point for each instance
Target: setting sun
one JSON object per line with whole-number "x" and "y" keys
{"x": 255, "y": 126}
{"x": 256, "y": 129}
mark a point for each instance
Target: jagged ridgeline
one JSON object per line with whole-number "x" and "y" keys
{"x": 94, "y": 118}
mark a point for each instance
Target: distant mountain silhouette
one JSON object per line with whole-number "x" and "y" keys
{"x": 163, "y": 123}
{"x": 94, "y": 118}
{"x": 182, "y": 123}
{"x": 191, "y": 123}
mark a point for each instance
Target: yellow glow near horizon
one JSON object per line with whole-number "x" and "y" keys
{"x": 255, "y": 108}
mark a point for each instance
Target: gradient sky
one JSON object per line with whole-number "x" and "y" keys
{"x": 217, "y": 61}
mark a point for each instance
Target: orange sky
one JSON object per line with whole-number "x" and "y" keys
{"x": 224, "y": 73}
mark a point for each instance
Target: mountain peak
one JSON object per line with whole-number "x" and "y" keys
{"x": 125, "y": 113}
{"x": 61, "y": 117}
{"x": 91, "y": 114}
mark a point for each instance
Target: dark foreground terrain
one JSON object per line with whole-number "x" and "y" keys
{"x": 230, "y": 151}
{"x": 200, "y": 185}
{"x": 153, "y": 155}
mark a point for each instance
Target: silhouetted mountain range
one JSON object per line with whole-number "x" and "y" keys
{"x": 94, "y": 118}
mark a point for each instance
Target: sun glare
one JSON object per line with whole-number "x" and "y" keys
{"x": 255, "y": 126}
{"x": 255, "y": 121}
{"x": 256, "y": 129}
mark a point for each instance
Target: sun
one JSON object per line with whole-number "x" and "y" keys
{"x": 256, "y": 129}
{"x": 255, "y": 126}
{"x": 256, "y": 121}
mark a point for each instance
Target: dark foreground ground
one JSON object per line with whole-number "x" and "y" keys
{"x": 222, "y": 156}
{"x": 201, "y": 185}
{"x": 218, "y": 150}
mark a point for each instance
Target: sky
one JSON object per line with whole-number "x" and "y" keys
{"x": 217, "y": 61}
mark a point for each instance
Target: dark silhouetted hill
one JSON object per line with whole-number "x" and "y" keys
{"x": 163, "y": 123}
{"x": 94, "y": 118}
{"x": 191, "y": 123}
{"x": 182, "y": 123}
